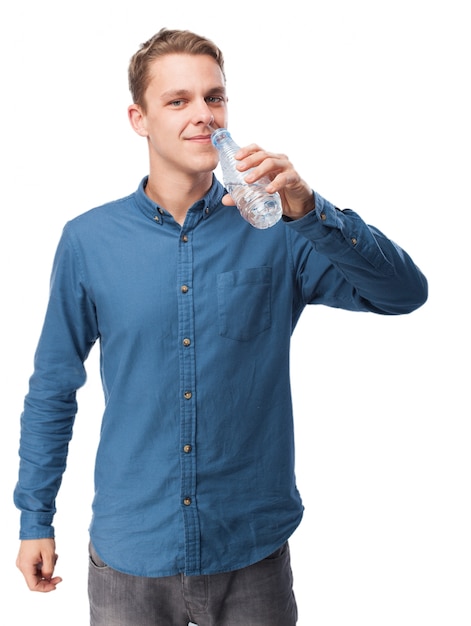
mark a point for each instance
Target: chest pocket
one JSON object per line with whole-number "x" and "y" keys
{"x": 244, "y": 302}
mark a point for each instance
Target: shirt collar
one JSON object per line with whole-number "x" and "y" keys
{"x": 206, "y": 206}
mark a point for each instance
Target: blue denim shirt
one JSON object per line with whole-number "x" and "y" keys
{"x": 195, "y": 465}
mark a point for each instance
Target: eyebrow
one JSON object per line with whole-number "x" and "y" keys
{"x": 186, "y": 93}
{"x": 175, "y": 93}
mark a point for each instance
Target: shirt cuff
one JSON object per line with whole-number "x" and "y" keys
{"x": 36, "y": 525}
{"x": 323, "y": 214}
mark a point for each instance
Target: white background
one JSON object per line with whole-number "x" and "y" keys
{"x": 370, "y": 101}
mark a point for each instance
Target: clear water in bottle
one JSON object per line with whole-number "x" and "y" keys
{"x": 260, "y": 208}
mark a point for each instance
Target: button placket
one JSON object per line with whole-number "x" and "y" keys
{"x": 186, "y": 352}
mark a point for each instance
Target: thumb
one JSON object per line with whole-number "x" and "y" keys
{"x": 227, "y": 200}
{"x": 47, "y": 564}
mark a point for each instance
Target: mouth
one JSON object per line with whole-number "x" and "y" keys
{"x": 200, "y": 138}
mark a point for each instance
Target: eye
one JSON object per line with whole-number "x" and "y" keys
{"x": 176, "y": 103}
{"x": 214, "y": 99}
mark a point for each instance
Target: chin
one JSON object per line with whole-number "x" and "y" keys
{"x": 207, "y": 165}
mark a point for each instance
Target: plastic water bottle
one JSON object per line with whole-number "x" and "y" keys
{"x": 257, "y": 206}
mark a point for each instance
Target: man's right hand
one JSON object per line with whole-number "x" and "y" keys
{"x": 36, "y": 561}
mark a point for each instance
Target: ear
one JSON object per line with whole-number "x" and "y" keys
{"x": 137, "y": 119}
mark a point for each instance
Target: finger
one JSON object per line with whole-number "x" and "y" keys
{"x": 37, "y": 582}
{"x": 246, "y": 151}
{"x": 289, "y": 179}
{"x": 46, "y": 567}
{"x": 269, "y": 160}
{"x": 273, "y": 167}
{"x": 227, "y": 200}
{"x": 44, "y": 586}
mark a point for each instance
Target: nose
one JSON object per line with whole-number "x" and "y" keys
{"x": 203, "y": 115}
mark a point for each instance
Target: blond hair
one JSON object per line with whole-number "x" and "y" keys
{"x": 164, "y": 42}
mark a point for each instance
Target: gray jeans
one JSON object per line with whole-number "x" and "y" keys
{"x": 258, "y": 595}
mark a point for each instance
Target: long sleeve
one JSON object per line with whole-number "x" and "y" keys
{"x": 68, "y": 333}
{"x": 364, "y": 269}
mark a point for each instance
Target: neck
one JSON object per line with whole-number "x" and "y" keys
{"x": 177, "y": 193}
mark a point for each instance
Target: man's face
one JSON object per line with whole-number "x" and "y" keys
{"x": 185, "y": 95}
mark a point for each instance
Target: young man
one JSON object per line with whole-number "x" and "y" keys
{"x": 193, "y": 309}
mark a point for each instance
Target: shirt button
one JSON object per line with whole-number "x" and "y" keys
{"x": 323, "y": 217}
{"x": 186, "y": 342}
{"x": 156, "y": 218}
{"x": 187, "y": 395}
{"x": 354, "y": 241}
{"x": 184, "y": 288}
{"x": 185, "y": 238}
{"x": 187, "y": 449}
{"x": 187, "y": 501}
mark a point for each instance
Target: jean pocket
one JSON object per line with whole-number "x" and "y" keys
{"x": 280, "y": 552}
{"x": 94, "y": 559}
{"x": 244, "y": 302}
